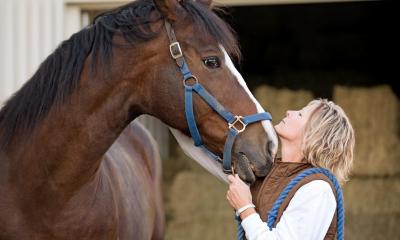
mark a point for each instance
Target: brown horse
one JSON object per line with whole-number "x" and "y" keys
{"x": 73, "y": 166}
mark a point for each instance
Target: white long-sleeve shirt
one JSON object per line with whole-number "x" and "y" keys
{"x": 308, "y": 216}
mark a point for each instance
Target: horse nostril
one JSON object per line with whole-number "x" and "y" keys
{"x": 243, "y": 157}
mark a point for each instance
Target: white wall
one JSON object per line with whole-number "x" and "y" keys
{"x": 30, "y": 30}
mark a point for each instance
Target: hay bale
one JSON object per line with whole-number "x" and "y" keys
{"x": 198, "y": 209}
{"x": 372, "y": 196}
{"x": 374, "y": 113}
{"x": 372, "y": 226}
{"x": 278, "y": 101}
{"x": 372, "y": 208}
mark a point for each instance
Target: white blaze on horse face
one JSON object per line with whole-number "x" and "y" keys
{"x": 268, "y": 127}
{"x": 199, "y": 155}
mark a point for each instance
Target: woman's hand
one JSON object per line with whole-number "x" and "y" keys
{"x": 238, "y": 194}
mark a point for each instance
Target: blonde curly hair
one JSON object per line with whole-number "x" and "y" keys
{"x": 329, "y": 139}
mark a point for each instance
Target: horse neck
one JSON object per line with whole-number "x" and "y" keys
{"x": 66, "y": 149}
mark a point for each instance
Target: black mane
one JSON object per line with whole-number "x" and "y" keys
{"x": 58, "y": 76}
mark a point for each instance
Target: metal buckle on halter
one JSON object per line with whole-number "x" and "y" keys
{"x": 175, "y": 50}
{"x": 238, "y": 119}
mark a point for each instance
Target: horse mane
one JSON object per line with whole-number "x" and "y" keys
{"x": 58, "y": 75}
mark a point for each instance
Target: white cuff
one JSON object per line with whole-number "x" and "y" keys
{"x": 244, "y": 208}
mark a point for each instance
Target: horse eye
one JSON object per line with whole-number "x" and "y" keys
{"x": 212, "y": 62}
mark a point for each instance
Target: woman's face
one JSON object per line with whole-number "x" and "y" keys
{"x": 291, "y": 127}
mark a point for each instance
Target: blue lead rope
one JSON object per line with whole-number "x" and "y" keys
{"x": 273, "y": 213}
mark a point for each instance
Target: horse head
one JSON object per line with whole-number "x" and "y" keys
{"x": 193, "y": 49}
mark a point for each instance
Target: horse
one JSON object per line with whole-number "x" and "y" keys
{"x": 73, "y": 162}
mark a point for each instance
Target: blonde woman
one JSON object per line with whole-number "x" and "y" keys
{"x": 318, "y": 135}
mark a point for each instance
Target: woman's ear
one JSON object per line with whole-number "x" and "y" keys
{"x": 171, "y": 9}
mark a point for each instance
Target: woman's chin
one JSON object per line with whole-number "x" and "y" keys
{"x": 278, "y": 129}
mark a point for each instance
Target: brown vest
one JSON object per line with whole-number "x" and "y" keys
{"x": 267, "y": 190}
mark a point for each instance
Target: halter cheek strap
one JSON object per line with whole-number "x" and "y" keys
{"x": 192, "y": 85}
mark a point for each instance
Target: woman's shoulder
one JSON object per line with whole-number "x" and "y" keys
{"x": 317, "y": 185}
{"x": 314, "y": 189}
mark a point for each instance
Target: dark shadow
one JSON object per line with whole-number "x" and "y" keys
{"x": 317, "y": 46}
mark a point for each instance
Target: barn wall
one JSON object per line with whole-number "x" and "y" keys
{"x": 30, "y": 30}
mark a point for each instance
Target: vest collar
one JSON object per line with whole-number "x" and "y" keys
{"x": 287, "y": 169}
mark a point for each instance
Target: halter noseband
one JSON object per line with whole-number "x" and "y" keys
{"x": 232, "y": 120}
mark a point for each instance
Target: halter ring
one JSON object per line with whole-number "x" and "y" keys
{"x": 190, "y": 78}
{"x": 238, "y": 119}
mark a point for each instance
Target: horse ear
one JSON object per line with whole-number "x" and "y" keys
{"x": 171, "y": 9}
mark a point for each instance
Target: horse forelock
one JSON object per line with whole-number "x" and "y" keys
{"x": 208, "y": 21}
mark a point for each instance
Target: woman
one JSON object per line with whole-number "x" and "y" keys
{"x": 318, "y": 135}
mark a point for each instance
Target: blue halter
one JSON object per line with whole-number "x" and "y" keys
{"x": 192, "y": 85}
